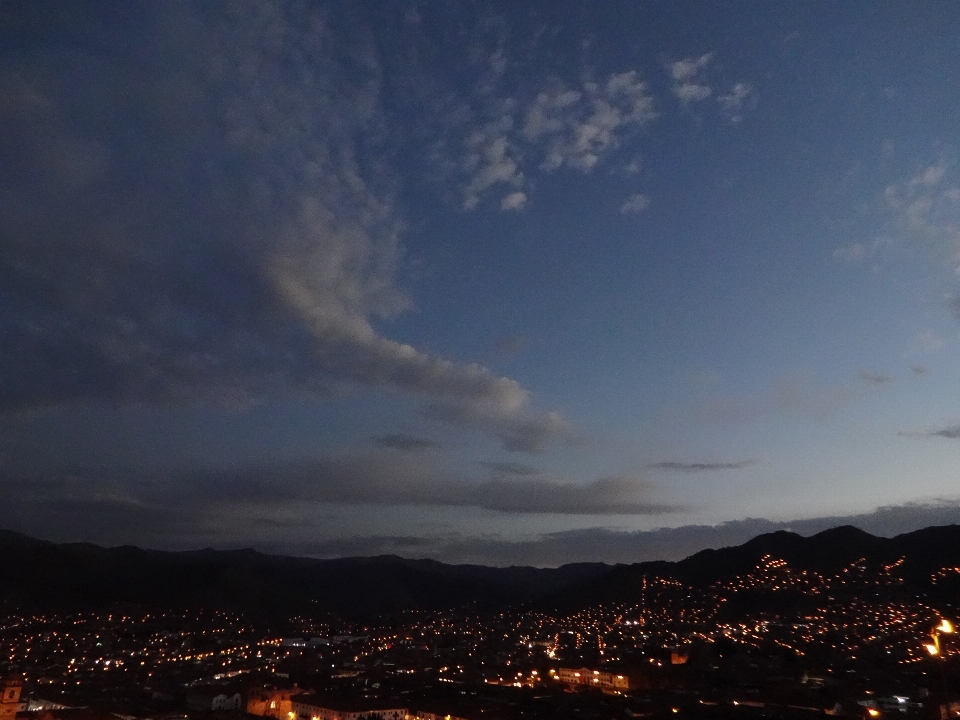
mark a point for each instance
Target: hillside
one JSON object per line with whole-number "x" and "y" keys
{"x": 49, "y": 576}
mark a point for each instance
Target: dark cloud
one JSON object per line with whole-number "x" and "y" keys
{"x": 613, "y": 495}
{"x": 407, "y": 443}
{"x": 694, "y": 467}
{"x": 178, "y": 223}
{"x": 510, "y": 468}
{"x": 518, "y": 431}
{"x": 115, "y": 508}
{"x": 918, "y": 370}
{"x": 613, "y": 546}
{"x": 951, "y": 432}
{"x": 105, "y": 507}
{"x": 373, "y": 479}
{"x": 953, "y": 302}
{"x": 406, "y": 546}
{"x": 874, "y": 378}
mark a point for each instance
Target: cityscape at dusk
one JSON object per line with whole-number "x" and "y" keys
{"x": 479, "y": 359}
{"x": 778, "y": 639}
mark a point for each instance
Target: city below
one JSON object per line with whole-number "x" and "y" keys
{"x": 841, "y": 624}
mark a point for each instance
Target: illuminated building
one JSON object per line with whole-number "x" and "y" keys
{"x": 10, "y": 698}
{"x": 271, "y": 702}
{"x": 309, "y": 707}
{"x": 592, "y": 678}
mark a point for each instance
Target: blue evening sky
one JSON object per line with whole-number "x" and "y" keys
{"x": 482, "y": 281}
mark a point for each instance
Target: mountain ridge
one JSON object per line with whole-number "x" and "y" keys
{"x": 85, "y": 576}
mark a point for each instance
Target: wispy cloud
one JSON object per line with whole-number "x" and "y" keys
{"x": 876, "y": 379}
{"x": 924, "y": 211}
{"x": 635, "y": 204}
{"x": 795, "y": 394}
{"x": 376, "y": 478}
{"x": 514, "y": 201}
{"x": 857, "y": 253}
{"x": 261, "y": 270}
{"x": 407, "y": 443}
{"x": 696, "y": 467}
{"x": 687, "y": 83}
{"x": 593, "y": 129}
{"x": 734, "y": 103}
{"x": 560, "y": 127}
{"x": 852, "y": 253}
{"x": 518, "y": 430}
{"x": 497, "y": 137}
{"x": 492, "y": 161}
{"x": 190, "y": 513}
{"x": 950, "y": 432}
{"x": 510, "y": 468}
{"x": 600, "y": 544}
{"x": 927, "y": 341}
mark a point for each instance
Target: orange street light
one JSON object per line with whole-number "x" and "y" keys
{"x": 944, "y": 628}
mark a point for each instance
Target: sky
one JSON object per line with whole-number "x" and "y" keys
{"x": 486, "y": 282}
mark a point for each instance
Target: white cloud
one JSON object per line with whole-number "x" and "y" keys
{"x": 546, "y": 114}
{"x": 490, "y": 161}
{"x": 733, "y": 103}
{"x": 691, "y": 92}
{"x": 607, "y": 111}
{"x": 929, "y": 177}
{"x": 630, "y": 94}
{"x": 922, "y": 211}
{"x": 635, "y": 204}
{"x": 925, "y": 210}
{"x": 514, "y": 201}
{"x": 687, "y": 69}
{"x": 504, "y": 138}
{"x": 687, "y": 85}
{"x": 576, "y": 128}
{"x": 928, "y": 341}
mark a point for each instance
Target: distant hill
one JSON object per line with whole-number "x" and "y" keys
{"x": 923, "y": 552}
{"x": 48, "y": 576}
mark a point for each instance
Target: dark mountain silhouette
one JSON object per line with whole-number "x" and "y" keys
{"x": 48, "y": 576}
{"x": 42, "y": 575}
{"x": 923, "y": 551}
